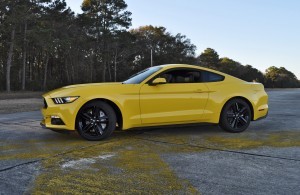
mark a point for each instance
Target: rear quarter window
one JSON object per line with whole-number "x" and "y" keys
{"x": 211, "y": 77}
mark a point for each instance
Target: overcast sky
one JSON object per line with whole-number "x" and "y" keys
{"x": 261, "y": 33}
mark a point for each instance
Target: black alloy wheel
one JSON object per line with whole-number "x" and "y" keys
{"x": 235, "y": 116}
{"x": 96, "y": 121}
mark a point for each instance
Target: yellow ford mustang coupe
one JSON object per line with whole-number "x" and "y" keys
{"x": 157, "y": 96}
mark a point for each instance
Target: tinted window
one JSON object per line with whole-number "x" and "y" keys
{"x": 141, "y": 76}
{"x": 211, "y": 77}
{"x": 182, "y": 76}
{"x": 190, "y": 76}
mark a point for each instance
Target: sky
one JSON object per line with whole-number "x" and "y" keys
{"x": 261, "y": 33}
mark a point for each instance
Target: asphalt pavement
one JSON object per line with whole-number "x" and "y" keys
{"x": 201, "y": 159}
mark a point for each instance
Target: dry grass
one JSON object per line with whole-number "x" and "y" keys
{"x": 20, "y": 102}
{"x": 20, "y": 95}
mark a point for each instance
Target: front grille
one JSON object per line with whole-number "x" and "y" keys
{"x": 45, "y": 104}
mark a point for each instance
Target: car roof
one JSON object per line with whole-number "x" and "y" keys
{"x": 227, "y": 76}
{"x": 168, "y": 66}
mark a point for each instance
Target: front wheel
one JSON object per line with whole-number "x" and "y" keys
{"x": 235, "y": 116}
{"x": 96, "y": 121}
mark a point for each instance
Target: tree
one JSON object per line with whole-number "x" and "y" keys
{"x": 209, "y": 58}
{"x": 231, "y": 67}
{"x": 280, "y": 77}
{"x": 51, "y": 37}
{"x": 123, "y": 50}
{"x": 272, "y": 74}
{"x": 11, "y": 15}
{"x": 44, "y": 45}
{"x": 105, "y": 19}
{"x": 30, "y": 9}
{"x": 252, "y": 74}
{"x": 166, "y": 48}
{"x": 3, "y": 38}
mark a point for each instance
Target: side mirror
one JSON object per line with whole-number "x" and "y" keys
{"x": 159, "y": 81}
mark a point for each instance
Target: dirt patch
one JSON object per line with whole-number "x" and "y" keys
{"x": 20, "y": 105}
{"x": 23, "y": 101}
{"x": 20, "y": 95}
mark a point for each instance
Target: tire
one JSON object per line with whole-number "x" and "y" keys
{"x": 235, "y": 116}
{"x": 96, "y": 121}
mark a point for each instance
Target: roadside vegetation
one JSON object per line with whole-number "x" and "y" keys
{"x": 44, "y": 45}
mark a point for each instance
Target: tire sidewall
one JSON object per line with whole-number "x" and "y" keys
{"x": 108, "y": 110}
{"x": 224, "y": 123}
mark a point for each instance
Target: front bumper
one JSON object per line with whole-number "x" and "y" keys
{"x": 58, "y": 116}
{"x": 63, "y": 131}
{"x": 42, "y": 123}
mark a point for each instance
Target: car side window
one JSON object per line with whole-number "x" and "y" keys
{"x": 182, "y": 76}
{"x": 190, "y": 76}
{"x": 211, "y": 77}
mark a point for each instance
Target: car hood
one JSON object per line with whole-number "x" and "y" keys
{"x": 73, "y": 89}
{"x": 90, "y": 84}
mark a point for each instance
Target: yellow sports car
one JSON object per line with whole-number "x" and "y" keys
{"x": 157, "y": 96}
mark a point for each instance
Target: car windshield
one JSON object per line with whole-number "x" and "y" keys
{"x": 141, "y": 76}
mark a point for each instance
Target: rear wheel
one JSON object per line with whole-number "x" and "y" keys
{"x": 235, "y": 116}
{"x": 96, "y": 121}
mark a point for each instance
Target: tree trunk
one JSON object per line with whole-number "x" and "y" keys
{"x": 24, "y": 57}
{"x": 104, "y": 69}
{"x": 45, "y": 73}
{"x": 109, "y": 73}
{"x": 9, "y": 59}
{"x": 116, "y": 65}
{"x": 92, "y": 69}
{"x": 32, "y": 60}
{"x": 66, "y": 68}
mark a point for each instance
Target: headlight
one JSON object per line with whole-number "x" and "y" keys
{"x": 65, "y": 100}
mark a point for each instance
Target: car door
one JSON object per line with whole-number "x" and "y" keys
{"x": 181, "y": 100}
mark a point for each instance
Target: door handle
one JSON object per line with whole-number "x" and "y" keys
{"x": 198, "y": 91}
